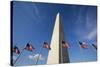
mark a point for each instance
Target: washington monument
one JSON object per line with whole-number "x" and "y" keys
{"x": 57, "y": 54}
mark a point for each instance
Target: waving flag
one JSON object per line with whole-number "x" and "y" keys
{"x": 95, "y": 46}
{"x": 83, "y": 45}
{"x": 29, "y": 47}
{"x": 16, "y": 50}
{"x": 46, "y": 45}
{"x": 65, "y": 45}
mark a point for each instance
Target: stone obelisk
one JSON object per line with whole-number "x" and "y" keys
{"x": 57, "y": 54}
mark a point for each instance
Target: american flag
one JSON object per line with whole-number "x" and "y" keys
{"x": 83, "y": 45}
{"x": 16, "y": 50}
{"x": 29, "y": 47}
{"x": 46, "y": 45}
{"x": 65, "y": 45}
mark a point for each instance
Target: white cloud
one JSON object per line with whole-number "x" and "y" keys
{"x": 36, "y": 56}
{"x": 92, "y": 34}
{"x": 30, "y": 57}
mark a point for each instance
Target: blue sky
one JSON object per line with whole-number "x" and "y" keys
{"x": 34, "y": 23}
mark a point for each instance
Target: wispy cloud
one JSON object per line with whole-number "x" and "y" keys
{"x": 36, "y": 56}
{"x": 37, "y": 11}
{"x": 90, "y": 24}
{"x": 87, "y": 30}
{"x": 92, "y": 34}
{"x": 38, "y": 14}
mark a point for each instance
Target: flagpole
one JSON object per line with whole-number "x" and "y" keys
{"x": 18, "y": 57}
{"x": 39, "y": 55}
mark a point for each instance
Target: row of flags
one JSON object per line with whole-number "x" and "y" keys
{"x": 84, "y": 45}
{"x": 29, "y": 46}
